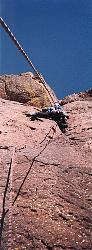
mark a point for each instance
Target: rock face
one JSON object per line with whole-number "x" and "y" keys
{"x": 53, "y": 208}
{"x": 77, "y": 97}
{"x": 25, "y": 88}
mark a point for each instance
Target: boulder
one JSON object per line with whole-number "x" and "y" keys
{"x": 25, "y": 88}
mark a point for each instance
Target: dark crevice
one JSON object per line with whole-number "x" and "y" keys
{"x": 47, "y": 245}
{"x": 4, "y": 147}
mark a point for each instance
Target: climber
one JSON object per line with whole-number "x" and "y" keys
{"x": 55, "y": 113}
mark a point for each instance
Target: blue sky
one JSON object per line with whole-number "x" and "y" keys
{"x": 57, "y": 36}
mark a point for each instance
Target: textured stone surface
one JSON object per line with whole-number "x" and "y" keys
{"x": 25, "y": 88}
{"x": 53, "y": 209}
{"x": 77, "y": 97}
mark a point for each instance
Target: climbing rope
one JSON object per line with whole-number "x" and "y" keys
{"x": 40, "y": 77}
{"x": 10, "y": 239}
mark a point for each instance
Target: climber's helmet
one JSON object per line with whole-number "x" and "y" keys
{"x": 57, "y": 106}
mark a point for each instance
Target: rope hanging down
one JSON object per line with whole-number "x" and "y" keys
{"x": 8, "y": 31}
{"x": 10, "y": 239}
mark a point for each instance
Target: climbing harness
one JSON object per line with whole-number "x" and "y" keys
{"x": 40, "y": 77}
